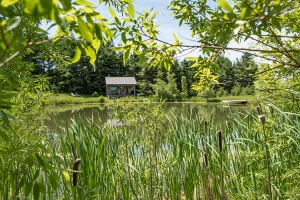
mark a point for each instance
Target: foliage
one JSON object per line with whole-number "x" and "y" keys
{"x": 184, "y": 88}
{"x": 208, "y": 93}
{"x": 166, "y": 90}
{"x": 189, "y": 160}
{"x": 221, "y": 92}
{"x": 249, "y": 90}
{"x": 95, "y": 94}
{"x": 236, "y": 90}
{"x": 101, "y": 99}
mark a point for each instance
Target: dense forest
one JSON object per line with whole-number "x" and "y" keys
{"x": 81, "y": 77}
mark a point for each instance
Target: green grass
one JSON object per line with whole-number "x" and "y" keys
{"x": 168, "y": 162}
{"x": 68, "y": 99}
{"x": 54, "y": 99}
{"x": 146, "y": 158}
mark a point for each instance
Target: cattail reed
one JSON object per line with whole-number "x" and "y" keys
{"x": 258, "y": 109}
{"x": 220, "y": 140}
{"x": 205, "y": 159}
{"x": 205, "y": 126}
{"x": 271, "y": 109}
{"x": 75, "y": 171}
{"x": 262, "y": 119}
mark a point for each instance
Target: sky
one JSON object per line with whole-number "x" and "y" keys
{"x": 168, "y": 25}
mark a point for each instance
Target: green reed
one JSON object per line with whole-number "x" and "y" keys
{"x": 152, "y": 156}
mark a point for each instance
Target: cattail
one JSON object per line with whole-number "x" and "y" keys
{"x": 220, "y": 139}
{"x": 205, "y": 126}
{"x": 205, "y": 159}
{"x": 75, "y": 171}
{"x": 262, "y": 119}
{"x": 258, "y": 110}
{"x": 74, "y": 151}
{"x": 271, "y": 109}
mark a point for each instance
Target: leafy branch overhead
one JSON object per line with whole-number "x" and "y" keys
{"x": 271, "y": 26}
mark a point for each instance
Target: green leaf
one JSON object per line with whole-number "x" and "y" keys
{"x": 126, "y": 56}
{"x": 96, "y": 44}
{"x": 42, "y": 188}
{"x": 30, "y": 6}
{"x": 243, "y": 13}
{"x": 131, "y": 9}
{"x": 12, "y": 23}
{"x": 28, "y": 189}
{"x": 66, "y": 176}
{"x": 85, "y": 31}
{"x": 83, "y": 2}
{"x": 175, "y": 37}
{"x": 191, "y": 58}
{"x": 36, "y": 191}
{"x": 225, "y": 5}
{"x": 112, "y": 12}
{"x": 40, "y": 160}
{"x": 6, "y": 3}
{"x": 4, "y": 136}
{"x": 66, "y": 4}
{"x": 123, "y": 36}
{"x": 91, "y": 53}
{"x": 54, "y": 180}
{"x": 77, "y": 55}
{"x": 5, "y": 119}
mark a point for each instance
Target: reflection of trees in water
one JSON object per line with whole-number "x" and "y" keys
{"x": 208, "y": 111}
{"x": 60, "y": 115}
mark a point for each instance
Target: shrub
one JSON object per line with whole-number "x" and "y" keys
{"x": 208, "y": 93}
{"x": 101, "y": 100}
{"x": 54, "y": 89}
{"x": 249, "y": 90}
{"x": 95, "y": 94}
{"x": 236, "y": 90}
{"x": 220, "y": 92}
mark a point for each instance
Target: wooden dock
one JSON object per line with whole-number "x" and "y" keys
{"x": 235, "y": 101}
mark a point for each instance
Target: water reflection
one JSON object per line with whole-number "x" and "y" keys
{"x": 61, "y": 115}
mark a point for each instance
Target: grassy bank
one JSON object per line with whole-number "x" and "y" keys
{"x": 55, "y": 99}
{"x": 188, "y": 159}
{"x": 249, "y": 156}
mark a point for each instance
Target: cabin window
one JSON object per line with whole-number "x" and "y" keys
{"x": 113, "y": 89}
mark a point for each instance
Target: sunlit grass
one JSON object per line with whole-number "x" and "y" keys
{"x": 63, "y": 98}
{"x": 168, "y": 162}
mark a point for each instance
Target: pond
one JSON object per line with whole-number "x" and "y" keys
{"x": 61, "y": 115}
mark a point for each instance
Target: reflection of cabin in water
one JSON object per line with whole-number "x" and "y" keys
{"x": 120, "y": 86}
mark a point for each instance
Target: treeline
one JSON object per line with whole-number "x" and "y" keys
{"x": 81, "y": 77}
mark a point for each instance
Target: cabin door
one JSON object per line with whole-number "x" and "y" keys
{"x": 127, "y": 90}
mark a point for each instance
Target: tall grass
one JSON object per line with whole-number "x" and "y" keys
{"x": 182, "y": 158}
{"x": 152, "y": 156}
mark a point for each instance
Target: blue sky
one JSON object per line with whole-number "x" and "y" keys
{"x": 168, "y": 25}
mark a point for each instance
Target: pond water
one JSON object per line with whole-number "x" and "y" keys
{"x": 63, "y": 114}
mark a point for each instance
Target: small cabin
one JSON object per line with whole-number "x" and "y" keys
{"x": 120, "y": 86}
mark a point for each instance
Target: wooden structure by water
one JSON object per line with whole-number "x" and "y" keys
{"x": 243, "y": 102}
{"x": 120, "y": 86}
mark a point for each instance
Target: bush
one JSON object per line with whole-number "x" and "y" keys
{"x": 95, "y": 94}
{"x": 208, "y": 93}
{"x": 101, "y": 100}
{"x": 236, "y": 90}
{"x": 249, "y": 90}
{"x": 220, "y": 92}
{"x": 54, "y": 89}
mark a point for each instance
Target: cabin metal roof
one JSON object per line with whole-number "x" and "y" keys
{"x": 120, "y": 80}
